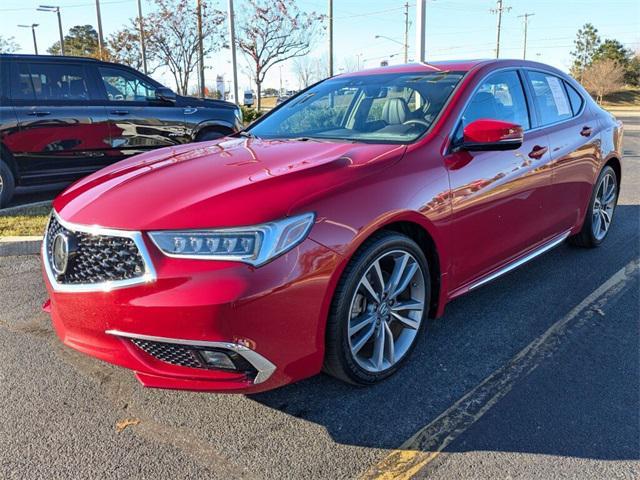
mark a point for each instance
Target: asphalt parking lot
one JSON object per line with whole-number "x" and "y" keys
{"x": 536, "y": 375}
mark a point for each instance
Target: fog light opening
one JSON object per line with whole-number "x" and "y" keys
{"x": 217, "y": 359}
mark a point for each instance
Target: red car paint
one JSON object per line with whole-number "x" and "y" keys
{"x": 480, "y": 210}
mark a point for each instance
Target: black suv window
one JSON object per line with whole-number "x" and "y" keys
{"x": 499, "y": 97}
{"x": 124, "y": 86}
{"x": 551, "y": 98}
{"x": 575, "y": 98}
{"x": 49, "y": 81}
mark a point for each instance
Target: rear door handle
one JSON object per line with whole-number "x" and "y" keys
{"x": 585, "y": 132}
{"x": 119, "y": 112}
{"x": 38, "y": 113}
{"x": 538, "y": 152}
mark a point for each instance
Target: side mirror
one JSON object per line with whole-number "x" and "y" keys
{"x": 486, "y": 134}
{"x": 165, "y": 94}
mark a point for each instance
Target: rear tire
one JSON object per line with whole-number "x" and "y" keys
{"x": 379, "y": 310}
{"x": 7, "y": 184}
{"x": 599, "y": 216}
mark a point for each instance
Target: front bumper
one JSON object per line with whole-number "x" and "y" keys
{"x": 273, "y": 317}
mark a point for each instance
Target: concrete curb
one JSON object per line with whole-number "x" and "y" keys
{"x": 14, "y": 246}
{"x": 18, "y": 209}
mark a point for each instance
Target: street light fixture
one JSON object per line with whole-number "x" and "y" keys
{"x": 33, "y": 32}
{"x": 49, "y": 8}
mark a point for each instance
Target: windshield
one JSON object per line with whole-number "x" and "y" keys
{"x": 387, "y": 108}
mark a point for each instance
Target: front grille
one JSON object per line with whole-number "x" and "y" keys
{"x": 97, "y": 258}
{"x": 169, "y": 352}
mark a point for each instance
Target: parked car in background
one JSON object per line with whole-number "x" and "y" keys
{"x": 324, "y": 236}
{"x": 282, "y": 99}
{"x": 62, "y": 118}
{"x": 248, "y": 98}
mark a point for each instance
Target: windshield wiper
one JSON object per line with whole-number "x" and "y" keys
{"x": 244, "y": 133}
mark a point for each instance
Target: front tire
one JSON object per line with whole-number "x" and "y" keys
{"x": 599, "y": 216}
{"x": 378, "y": 311}
{"x": 212, "y": 134}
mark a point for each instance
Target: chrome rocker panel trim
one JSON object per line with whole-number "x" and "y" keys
{"x": 263, "y": 366}
{"x": 521, "y": 261}
{"x": 148, "y": 276}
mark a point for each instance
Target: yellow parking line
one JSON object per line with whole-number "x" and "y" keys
{"x": 425, "y": 446}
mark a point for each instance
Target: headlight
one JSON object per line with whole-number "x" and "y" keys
{"x": 254, "y": 245}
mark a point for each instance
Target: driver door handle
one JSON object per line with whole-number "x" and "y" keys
{"x": 586, "y": 131}
{"x": 537, "y": 152}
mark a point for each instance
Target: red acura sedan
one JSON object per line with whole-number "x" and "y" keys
{"x": 323, "y": 236}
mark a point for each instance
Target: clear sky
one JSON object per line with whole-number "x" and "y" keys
{"x": 455, "y": 29}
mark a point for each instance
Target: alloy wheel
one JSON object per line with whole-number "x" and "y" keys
{"x": 604, "y": 205}
{"x": 386, "y": 311}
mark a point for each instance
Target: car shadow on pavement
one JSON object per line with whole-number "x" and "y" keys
{"x": 583, "y": 401}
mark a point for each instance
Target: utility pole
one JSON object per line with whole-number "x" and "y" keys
{"x": 232, "y": 44}
{"x": 143, "y": 50}
{"x": 421, "y": 6}
{"x": 200, "y": 50}
{"x": 100, "y": 35}
{"x": 499, "y": 9}
{"x": 331, "y": 38}
{"x": 33, "y": 32}
{"x": 526, "y": 24}
{"x": 406, "y": 32}
{"x": 49, "y": 8}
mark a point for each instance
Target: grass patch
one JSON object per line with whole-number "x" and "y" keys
{"x": 27, "y": 221}
{"x": 628, "y": 97}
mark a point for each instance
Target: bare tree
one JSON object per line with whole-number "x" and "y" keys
{"x": 272, "y": 32}
{"x": 173, "y": 31}
{"x": 124, "y": 47}
{"x": 308, "y": 70}
{"x": 8, "y": 45}
{"x": 603, "y": 77}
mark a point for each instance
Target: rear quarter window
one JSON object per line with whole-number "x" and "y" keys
{"x": 575, "y": 98}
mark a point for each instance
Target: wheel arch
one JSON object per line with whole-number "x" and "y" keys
{"x": 212, "y": 125}
{"x": 417, "y": 227}
{"x": 614, "y": 162}
{"x": 7, "y": 157}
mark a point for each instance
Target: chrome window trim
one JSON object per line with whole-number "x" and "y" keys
{"x": 572, "y": 117}
{"x": 263, "y": 366}
{"x": 524, "y": 69}
{"x": 148, "y": 276}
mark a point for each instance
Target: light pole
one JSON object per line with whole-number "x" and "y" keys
{"x": 143, "y": 50}
{"x": 232, "y": 46}
{"x": 33, "y": 32}
{"x": 49, "y": 8}
{"x": 100, "y": 35}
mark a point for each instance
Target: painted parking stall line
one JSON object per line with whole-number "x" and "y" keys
{"x": 425, "y": 446}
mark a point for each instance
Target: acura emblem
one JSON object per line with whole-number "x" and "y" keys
{"x": 60, "y": 259}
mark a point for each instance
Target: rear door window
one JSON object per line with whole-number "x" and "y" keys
{"x": 551, "y": 97}
{"x": 43, "y": 82}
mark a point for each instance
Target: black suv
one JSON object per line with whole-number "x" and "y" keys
{"x": 64, "y": 117}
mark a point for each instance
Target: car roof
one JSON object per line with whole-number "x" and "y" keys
{"x": 21, "y": 56}
{"x": 450, "y": 65}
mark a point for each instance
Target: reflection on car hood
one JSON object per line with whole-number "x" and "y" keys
{"x": 230, "y": 182}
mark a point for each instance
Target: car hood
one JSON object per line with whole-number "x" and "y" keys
{"x": 230, "y": 182}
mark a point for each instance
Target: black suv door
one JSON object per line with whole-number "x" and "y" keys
{"x": 63, "y": 132}
{"x": 138, "y": 120}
